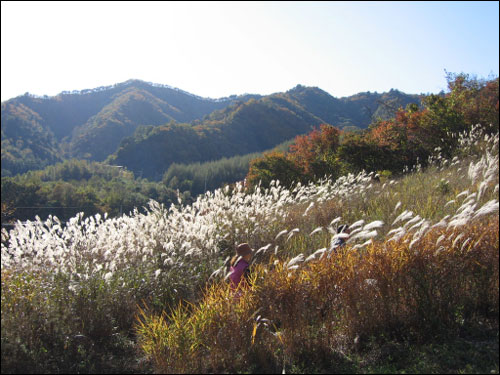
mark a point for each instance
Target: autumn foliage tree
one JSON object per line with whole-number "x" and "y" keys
{"x": 475, "y": 99}
{"x": 272, "y": 166}
{"x": 407, "y": 139}
{"x": 310, "y": 157}
{"x": 359, "y": 151}
{"x": 315, "y": 153}
{"x": 414, "y": 133}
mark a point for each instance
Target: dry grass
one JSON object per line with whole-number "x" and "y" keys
{"x": 70, "y": 295}
{"x": 334, "y": 305}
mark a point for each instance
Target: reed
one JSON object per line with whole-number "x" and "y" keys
{"x": 422, "y": 258}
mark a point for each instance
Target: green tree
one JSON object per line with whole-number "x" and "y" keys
{"x": 272, "y": 166}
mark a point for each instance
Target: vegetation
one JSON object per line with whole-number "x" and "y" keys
{"x": 409, "y": 138}
{"x": 242, "y": 128}
{"x": 120, "y": 121}
{"x": 418, "y": 275}
{"x": 74, "y": 186}
{"x": 89, "y": 124}
{"x": 415, "y": 289}
{"x": 305, "y": 320}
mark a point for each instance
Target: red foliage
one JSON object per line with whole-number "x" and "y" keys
{"x": 313, "y": 147}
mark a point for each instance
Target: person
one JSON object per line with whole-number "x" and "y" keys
{"x": 341, "y": 240}
{"x": 240, "y": 264}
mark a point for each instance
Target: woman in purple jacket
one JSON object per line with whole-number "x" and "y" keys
{"x": 240, "y": 265}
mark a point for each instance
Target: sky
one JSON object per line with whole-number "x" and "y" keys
{"x": 218, "y": 49}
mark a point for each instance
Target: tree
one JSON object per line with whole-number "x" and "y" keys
{"x": 475, "y": 99}
{"x": 315, "y": 153}
{"x": 272, "y": 166}
{"x": 359, "y": 152}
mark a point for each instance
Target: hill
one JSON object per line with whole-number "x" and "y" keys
{"x": 417, "y": 280}
{"x": 92, "y": 124}
{"x": 247, "y": 127}
{"x": 38, "y": 131}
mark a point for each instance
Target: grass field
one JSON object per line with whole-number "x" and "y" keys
{"x": 415, "y": 289}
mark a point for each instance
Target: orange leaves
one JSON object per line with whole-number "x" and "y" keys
{"x": 313, "y": 147}
{"x": 311, "y": 156}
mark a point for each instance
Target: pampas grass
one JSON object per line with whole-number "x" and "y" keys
{"x": 89, "y": 277}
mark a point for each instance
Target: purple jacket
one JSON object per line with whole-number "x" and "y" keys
{"x": 237, "y": 272}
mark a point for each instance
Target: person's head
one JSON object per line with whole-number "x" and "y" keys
{"x": 245, "y": 251}
{"x": 343, "y": 229}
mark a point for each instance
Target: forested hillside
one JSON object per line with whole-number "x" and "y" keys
{"x": 92, "y": 124}
{"x": 39, "y": 131}
{"x": 175, "y": 155}
{"x": 252, "y": 126}
{"x": 388, "y": 146}
{"x": 413, "y": 290}
{"x": 74, "y": 186}
{"x": 147, "y": 291}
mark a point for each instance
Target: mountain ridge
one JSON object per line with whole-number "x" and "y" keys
{"x": 92, "y": 124}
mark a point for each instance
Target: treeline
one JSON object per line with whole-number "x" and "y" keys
{"x": 75, "y": 186}
{"x": 197, "y": 178}
{"x": 408, "y": 139}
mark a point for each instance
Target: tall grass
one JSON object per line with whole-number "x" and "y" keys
{"x": 436, "y": 274}
{"x": 331, "y": 305}
{"x": 421, "y": 258}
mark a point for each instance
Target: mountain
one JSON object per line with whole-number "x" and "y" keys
{"x": 249, "y": 127}
{"x": 90, "y": 124}
{"x": 242, "y": 128}
{"x": 146, "y": 126}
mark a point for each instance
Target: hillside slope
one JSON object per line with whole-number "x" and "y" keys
{"x": 420, "y": 268}
{"x": 91, "y": 124}
{"x": 243, "y": 128}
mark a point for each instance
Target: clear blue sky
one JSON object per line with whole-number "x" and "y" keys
{"x": 224, "y": 48}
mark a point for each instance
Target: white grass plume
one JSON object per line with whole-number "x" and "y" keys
{"x": 315, "y": 254}
{"x": 299, "y": 258}
{"x": 374, "y": 225}
{"x": 359, "y": 246}
{"x": 292, "y": 233}
{"x": 280, "y": 234}
{"x": 397, "y": 206}
{"x": 263, "y": 249}
{"x": 363, "y": 235}
{"x": 449, "y": 202}
{"x": 308, "y": 208}
{"x": 488, "y": 208}
{"x": 336, "y": 220}
{"x": 416, "y": 225}
{"x": 440, "y": 238}
{"x": 317, "y": 230}
{"x": 412, "y": 221}
{"x": 356, "y": 224}
{"x": 405, "y": 215}
{"x": 338, "y": 235}
{"x": 461, "y": 235}
{"x": 458, "y": 222}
